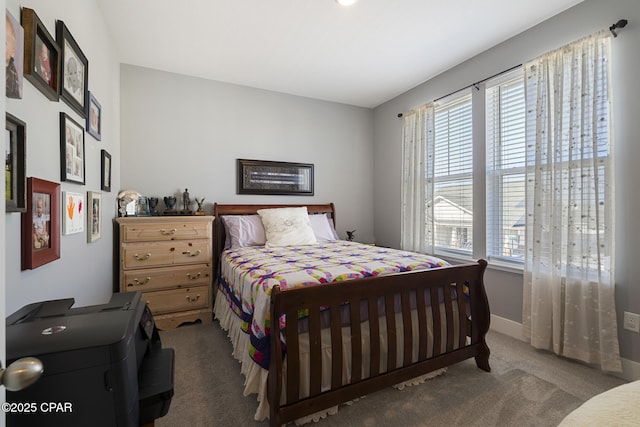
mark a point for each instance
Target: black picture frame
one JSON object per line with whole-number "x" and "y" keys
{"x": 105, "y": 170}
{"x": 274, "y": 178}
{"x": 39, "y": 248}
{"x": 74, "y": 71}
{"x": 15, "y": 164}
{"x": 94, "y": 117}
{"x": 72, "y": 150}
{"x": 43, "y": 73}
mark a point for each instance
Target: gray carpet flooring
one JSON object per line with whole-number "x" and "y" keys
{"x": 526, "y": 387}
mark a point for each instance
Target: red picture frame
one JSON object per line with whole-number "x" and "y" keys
{"x": 41, "y": 224}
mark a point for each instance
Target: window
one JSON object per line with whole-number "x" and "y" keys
{"x": 484, "y": 166}
{"x": 451, "y": 211}
{"x": 450, "y": 208}
{"x": 511, "y": 145}
{"x": 505, "y": 167}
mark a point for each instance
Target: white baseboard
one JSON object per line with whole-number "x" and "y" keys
{"x": 507, "y": 327}
{"x": 630, "y": 368}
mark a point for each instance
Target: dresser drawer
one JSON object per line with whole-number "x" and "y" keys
{"x": 163, "y": 230}
{"x": 172, "y": 300}
{"x": 161, "y": 254}
{"x": 168, "y": 277}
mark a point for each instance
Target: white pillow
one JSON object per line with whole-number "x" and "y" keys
{"x": 287, "y": 227}
{"x": 243, "y": 230}
{"x": 323, "y": 228}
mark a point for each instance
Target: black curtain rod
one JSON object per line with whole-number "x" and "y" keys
{"x": 479, "y": 81}
{"x": 475, "y": 84}
{"x": 620, "y": 24}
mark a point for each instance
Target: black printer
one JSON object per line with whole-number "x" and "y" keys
{"x": 103, "y": 365}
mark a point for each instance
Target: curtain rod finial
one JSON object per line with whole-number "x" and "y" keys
{"x": 399, "y": 115}
{"x": 620, "y": 24}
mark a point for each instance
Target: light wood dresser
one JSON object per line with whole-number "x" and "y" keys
{"x": 169, "y": 260}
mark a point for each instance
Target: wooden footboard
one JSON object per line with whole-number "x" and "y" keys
{"x": 446, "y": 308}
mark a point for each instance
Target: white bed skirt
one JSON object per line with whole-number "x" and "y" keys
{"x": 256, "y": 376}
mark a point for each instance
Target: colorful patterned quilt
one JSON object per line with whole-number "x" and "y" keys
{"x": 248, "y": 274}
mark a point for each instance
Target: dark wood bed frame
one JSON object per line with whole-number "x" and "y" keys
{"x": 412, "y": 289}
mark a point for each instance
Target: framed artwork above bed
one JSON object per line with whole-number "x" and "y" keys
{"x": 279, "y": 178}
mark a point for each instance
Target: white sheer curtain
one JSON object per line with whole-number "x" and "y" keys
{"x": 569, "y": 305}
{"x": 417, "y": 163}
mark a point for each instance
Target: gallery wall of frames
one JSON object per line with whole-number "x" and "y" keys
{"x": 55, "y": 64}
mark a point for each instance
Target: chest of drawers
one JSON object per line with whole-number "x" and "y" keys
{"x": 169, "y": 260}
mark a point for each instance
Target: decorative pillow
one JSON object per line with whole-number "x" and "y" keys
{"x": 287, "y": 227}
{"x": 243, "y": 230}
{"x": 323, "y": 228}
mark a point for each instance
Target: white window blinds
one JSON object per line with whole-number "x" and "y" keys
{"x": 505, "y": 142}
{"x": 450, "y": 209}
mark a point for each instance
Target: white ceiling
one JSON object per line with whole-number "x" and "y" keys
{"x": 361, "y": 55}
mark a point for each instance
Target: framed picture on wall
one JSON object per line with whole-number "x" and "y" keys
{"x": 41, "y": 224}
{"x": 15, "y": 57}
{"x": 269, "y": 177}
{"x": 72, "y": 165}
{"x": 15, "y": 165}
{"x": 94, "y": 117}
{"x": 94, "y": 216}
{"x": 73, "y": 213}
{"x": 105, "y": 171}
{"x": 74, "y": 70}
{"x": 41, "y": 55}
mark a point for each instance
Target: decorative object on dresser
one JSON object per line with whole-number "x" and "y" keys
{"x": 128, "y": 202}
{"x": 200, "y": 203}
{"x": 169, "y": 260}
{"x": 170, "y": 205}
{"x": 153, "y": 206}
{"x": 143, "y": 206}
{"x": 186, "y": 203}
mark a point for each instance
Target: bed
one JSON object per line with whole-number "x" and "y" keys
{"x": 318, "y": 325}
{"x": 615, "y": 407}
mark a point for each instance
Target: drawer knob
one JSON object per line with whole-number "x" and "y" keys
{"x": 193, "y": 276}
{"x": 168, "y": 232}
{"x": 193, "y": 299}
{"x": 142, "y": 258}
{"x": 137, "y": 282}
{"x": 189, "y": 253}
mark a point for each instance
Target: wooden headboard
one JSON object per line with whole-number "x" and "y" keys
{"x": 219, "y": 210}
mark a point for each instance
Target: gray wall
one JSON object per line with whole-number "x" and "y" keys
{"x": 84, "y": 270}
{"x": 183, "y": 132}
{"x": 505, "y": 289}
